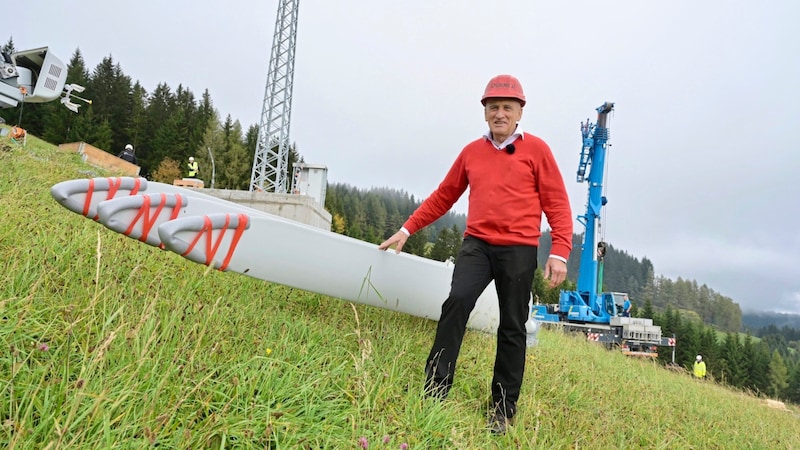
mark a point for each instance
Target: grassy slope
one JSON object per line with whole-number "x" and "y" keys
{"x": 105, "y": 342}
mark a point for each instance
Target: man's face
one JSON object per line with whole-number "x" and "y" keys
{"x": 502, "y": 115}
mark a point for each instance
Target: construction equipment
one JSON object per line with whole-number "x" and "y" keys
{"x": 587, "y": 309}
{"x": 35, "y": 76}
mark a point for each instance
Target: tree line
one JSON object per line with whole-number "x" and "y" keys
{"x": 769, "y": 366}
{"x": 375, "y": 214}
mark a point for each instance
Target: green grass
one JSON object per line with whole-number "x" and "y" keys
{"x": 108, "y": 343}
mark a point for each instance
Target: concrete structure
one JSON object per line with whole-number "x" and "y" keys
{"x": 311, "y": 180}
{"x": 100, "y": 158}
{"x": 189, "y": 182}
{"x": 300, "y": 208}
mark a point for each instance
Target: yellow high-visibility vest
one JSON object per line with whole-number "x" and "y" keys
{"x": 700, "y": 369}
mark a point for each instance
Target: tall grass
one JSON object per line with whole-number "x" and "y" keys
{"x": 108, "y": 343}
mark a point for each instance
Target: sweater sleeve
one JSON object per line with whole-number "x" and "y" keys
{"x": 555, "y": 204}
{"x": 442, "y": 199}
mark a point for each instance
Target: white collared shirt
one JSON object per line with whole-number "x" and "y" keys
{"x": 517, "y": 133}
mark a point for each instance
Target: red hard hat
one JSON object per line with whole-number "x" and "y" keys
{"x": 503, "y": 86}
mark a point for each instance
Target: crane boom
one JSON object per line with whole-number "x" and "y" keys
{"x": 593, "y": 155}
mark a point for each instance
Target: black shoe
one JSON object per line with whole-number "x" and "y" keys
{"x": 498, "y": 423}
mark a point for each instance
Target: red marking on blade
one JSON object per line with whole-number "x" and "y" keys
{"x": 240, "y": 227}
{"x": 144, "y": 214}
{"x": 175, "y": 211}
{"x": 88, "y": 201}
{"x": 213, "y": 246}
{"x": 113, "y": 186}
{"x": 137, "y": 184}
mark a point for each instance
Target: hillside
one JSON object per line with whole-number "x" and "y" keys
{"x": 111, "y": 343}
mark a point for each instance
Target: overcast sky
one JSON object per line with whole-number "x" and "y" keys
{"x": 702, "y": 173}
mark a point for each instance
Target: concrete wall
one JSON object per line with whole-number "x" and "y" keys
{"x": 300, "y": 208}
{"x": 100, "y": 158}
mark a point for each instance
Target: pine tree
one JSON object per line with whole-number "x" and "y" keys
{"x": 647, "y": 312}
{"x": 233, "y": 167}
{"x": 689, "y": 336}
{"x": 138, "y": 119}
{"x": 778, "y": 376}
{"x": 793, "y": 385}
{"x": 441, "y": 250}
{"x": 376, "y": 218}
{"x": 150, "y": 150}
{"x": 112, "y": 100}
{"x": 214, "y": 143}
{"x": 709, "y": 345}
{"x": 417, "y": 243}
{"x": 731, "y": 355}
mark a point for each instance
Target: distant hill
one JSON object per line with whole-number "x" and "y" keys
{"x": 757, "y": 320}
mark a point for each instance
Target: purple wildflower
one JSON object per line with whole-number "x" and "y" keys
{"x": 403, "y": 446}
{"x": 386, "y": 439}
{"x": 362, "y": 442}
{"x": 44, "y": 347}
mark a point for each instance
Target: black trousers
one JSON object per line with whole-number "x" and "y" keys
{"x": 512, "y": 269}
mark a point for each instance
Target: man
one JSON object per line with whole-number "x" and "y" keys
{"x": 699, "y": 367}
{"x": 513, "y": 178}
{"x": 128, "y": 154}
{"x": 192, "y": 167}
{"x": 626, "y": 307}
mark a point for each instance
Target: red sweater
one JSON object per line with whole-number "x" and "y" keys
{"x": 507, "y": 195}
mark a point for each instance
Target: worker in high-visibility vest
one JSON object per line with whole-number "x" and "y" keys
{"x": 699, "y": 367}
{"x": 192, "y": 167}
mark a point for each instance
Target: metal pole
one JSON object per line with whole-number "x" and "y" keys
{"x": 673, "y": 349}
{"x": 213, "y": 168}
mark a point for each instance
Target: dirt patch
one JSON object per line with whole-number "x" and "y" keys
{"x": 776, "y": 404}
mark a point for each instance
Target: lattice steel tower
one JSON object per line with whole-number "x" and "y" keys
{"x": 271, "y": 161}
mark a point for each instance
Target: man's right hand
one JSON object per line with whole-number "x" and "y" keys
{"x": 398, "y": 238}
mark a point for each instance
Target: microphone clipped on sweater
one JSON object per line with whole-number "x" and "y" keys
{"x": 510, "y": 149}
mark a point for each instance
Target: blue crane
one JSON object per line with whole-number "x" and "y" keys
{"x": 587, "y": 304}
{"x": 587, "y": 308}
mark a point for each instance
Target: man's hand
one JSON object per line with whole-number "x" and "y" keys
{"x": 400, "y": 239}
{"x": 555, "y": 270}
